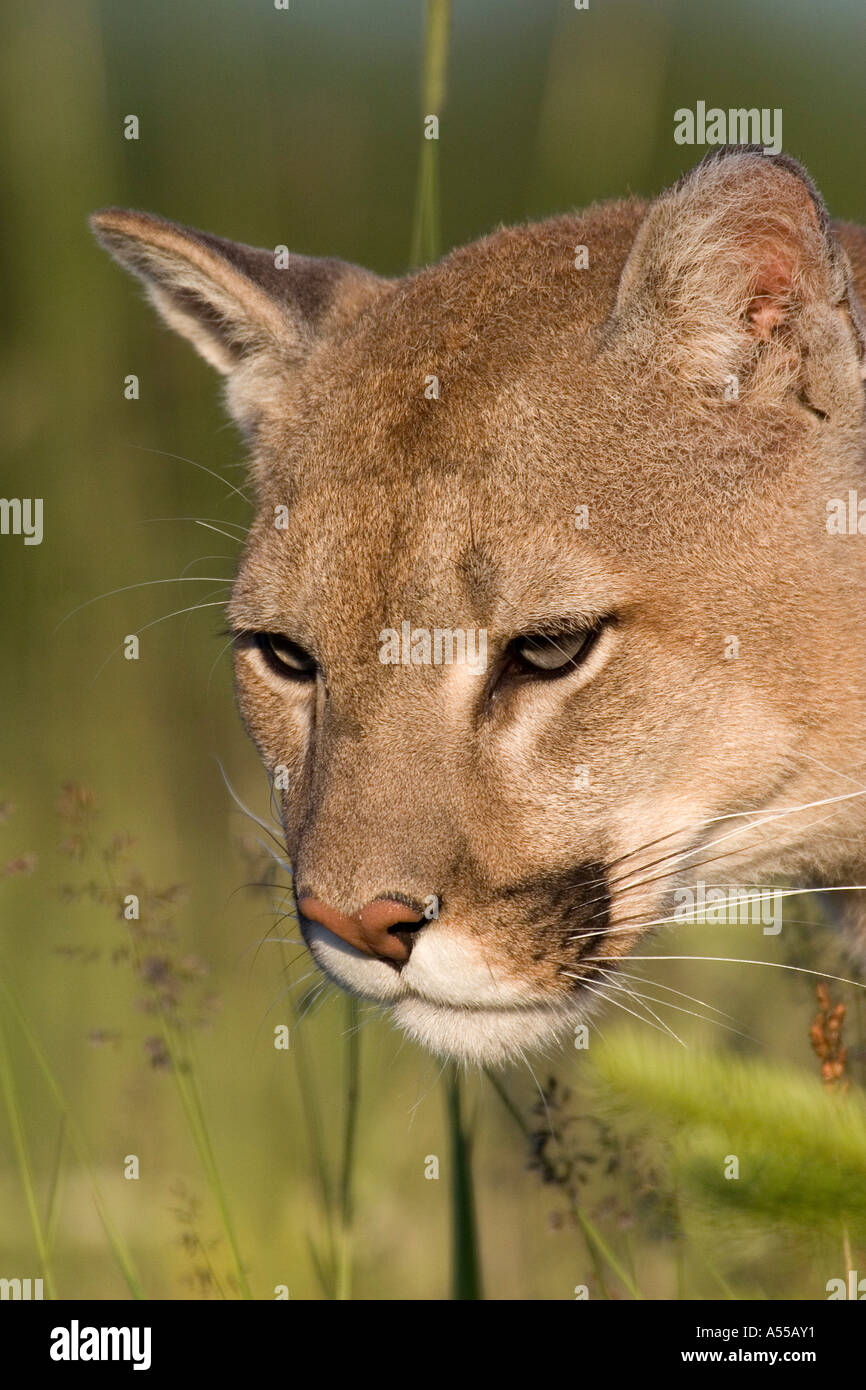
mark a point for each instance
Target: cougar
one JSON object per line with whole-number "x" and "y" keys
{"x": 620, "y": 453}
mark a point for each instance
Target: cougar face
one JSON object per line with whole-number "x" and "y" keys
{"x": 541, "y": 615}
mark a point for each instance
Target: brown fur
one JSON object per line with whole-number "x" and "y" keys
{"x": 559, "y": 388}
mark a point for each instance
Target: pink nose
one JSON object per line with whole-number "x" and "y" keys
{"x": 375, "y": 930}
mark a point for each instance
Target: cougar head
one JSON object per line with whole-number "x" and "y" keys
{"x": 540, "y": 617}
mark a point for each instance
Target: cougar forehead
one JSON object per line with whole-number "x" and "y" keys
{"x": 483, "y": 397}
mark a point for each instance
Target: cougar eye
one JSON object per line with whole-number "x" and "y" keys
{"x": 286, "y": 658}
{"x": 541, "y": 655}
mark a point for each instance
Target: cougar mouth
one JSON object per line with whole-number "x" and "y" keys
{"x": 449, "y": 1002}
{"x": 487, "y": 1035}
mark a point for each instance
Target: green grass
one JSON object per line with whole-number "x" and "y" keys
{"x": 306, "y": 1168}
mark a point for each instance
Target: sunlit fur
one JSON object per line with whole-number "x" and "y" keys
{"x": 717, "y": 730}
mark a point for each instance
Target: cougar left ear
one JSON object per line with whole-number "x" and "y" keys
{"x": 253, "y": 319}
{"x": 736, "y": 271}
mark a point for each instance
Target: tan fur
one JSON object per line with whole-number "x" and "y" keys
{"x": 559, "y": 388}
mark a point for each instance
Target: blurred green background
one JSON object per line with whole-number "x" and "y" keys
{"x": 303, "y": 127}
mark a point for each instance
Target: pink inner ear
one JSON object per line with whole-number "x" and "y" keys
{"x": 771, "y": 295}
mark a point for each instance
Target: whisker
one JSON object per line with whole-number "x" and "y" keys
{"x": 738, "y": 830}
{"x": 320, "y": 998}
{"x": 704, "y": 863}
{"x": 613, "y": 983}
{"x": 614, "y": 882}
{"x": 257, "y": 819}
{"x": 163, "y": 453}
{"x": 221, "y": 653}
{"x": 257, "y": 946}
{"x": 146, "y": 584}
{"x": 284, "y": 994}
{"x": 636, "y": 924}
{"x": 692, "y": 918}
{"x": 622, "y": 988}
{"x": 200, "y": 559}
{"x": 670, "y": 990}
{"x": 205, "y": 603}
{"x": 194, "y": 608}
{"x": 284, "y": 888}
{"x": 835, "y": 770}
{"x": 209, "y": 523}
{"x": 525, "y": 1060}
{"x": 734, "y": 960}
{"x": 619, "y": 1004}
{"x": 421, "y": 1098}
{"x": 681, "y": 830}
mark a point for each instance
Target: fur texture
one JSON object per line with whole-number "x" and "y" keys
{"x": 695, "y": 396}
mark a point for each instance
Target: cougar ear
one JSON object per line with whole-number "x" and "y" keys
{"x": 735, "y": 272}
{"x": 250, "y": 317}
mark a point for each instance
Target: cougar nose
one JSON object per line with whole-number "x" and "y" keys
{"x": 385, "y": 927}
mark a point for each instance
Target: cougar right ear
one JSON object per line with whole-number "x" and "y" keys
{"x": 250, "y": 316}
{"x": 735, "y": 270}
